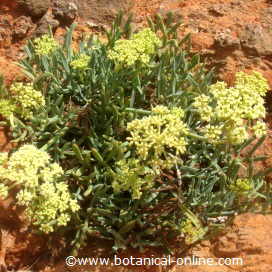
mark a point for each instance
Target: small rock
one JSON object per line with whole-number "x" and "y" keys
{"x": 64, "y": 11}
{"x": 5, "y": 37}
{"x": 236, "y": 3}
{"x": 256, "y": 40}
{"x": 35, "y": 8}
{"x": 197, "y": 14}
{"x": 96, "y": 27}
{"x": 218, "y": 10}
{"x": 103, "y": 11}
{"x": 202, "y": 41}
{"x": 225, "y": 39}
{"x": 21, "y": 27}
{"x": 46, "y": 23}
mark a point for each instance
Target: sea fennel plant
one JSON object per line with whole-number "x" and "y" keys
{"x": 137, "y": 124}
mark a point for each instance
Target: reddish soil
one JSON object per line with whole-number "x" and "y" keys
{"x": 219, "y": 31}
{"x": 9, "y": 51}
{"x": 249, "y": 240}
{"x": 232, "y": 35}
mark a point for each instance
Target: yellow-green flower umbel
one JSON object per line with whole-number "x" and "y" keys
{"x": 228, "y": 111}
{"x": 241, "y": 186}
{"x": 138, "y": 49}
{"x": 191, "y": 232}
{"x": 81, "y": 62}
{"x": 158, "y": 140}
{"x": 47, "y": 199}
{"x": 26, "y": 99}
{"x": 132, "y": 175}
{"x": 259, "y": 129}
{"x": 160, "y": 137}
{"x": 7, "y": 108}
{"x": 45, "y": 45}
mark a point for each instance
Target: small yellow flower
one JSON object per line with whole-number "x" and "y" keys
{"x": 259, "y": 129}
{"x": 3, "y": 157}
{"x": 202, "y": 102}
{"x": 191, "y": 232}
{"x": 132, "y": 176}
{"x": 255, "y": 81}
{"x": 213, "y": 133}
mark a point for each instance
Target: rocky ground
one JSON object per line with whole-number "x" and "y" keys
{"x": 232, "y": 35}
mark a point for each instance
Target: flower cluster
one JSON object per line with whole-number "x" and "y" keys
{"x": 138, "y": 48}
{"x": 49, "y": 206}
{"x": 7, "y": 108}
{"x": 205, "y": 110}
{"x": 255, "y": 82}
{"x": 81, "y": 62}
{"x": 241, "y": 186}
{"x": 228, "y": 110}
{"x": 132, "y": 175}
{"x": 47, "y": 200}
{"x": 25, "y": 99}
{"x": 158, "y": 140}
{"x": 191, "y": 232}
{"x": 45, "y": 45}
{"x": 259, "y": 128}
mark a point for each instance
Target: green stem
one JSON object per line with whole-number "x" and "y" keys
{"x": 197, "y": 137}
{"x": 137, "y": 111}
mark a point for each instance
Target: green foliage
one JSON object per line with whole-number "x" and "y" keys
{"x": 130, "y": 139}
